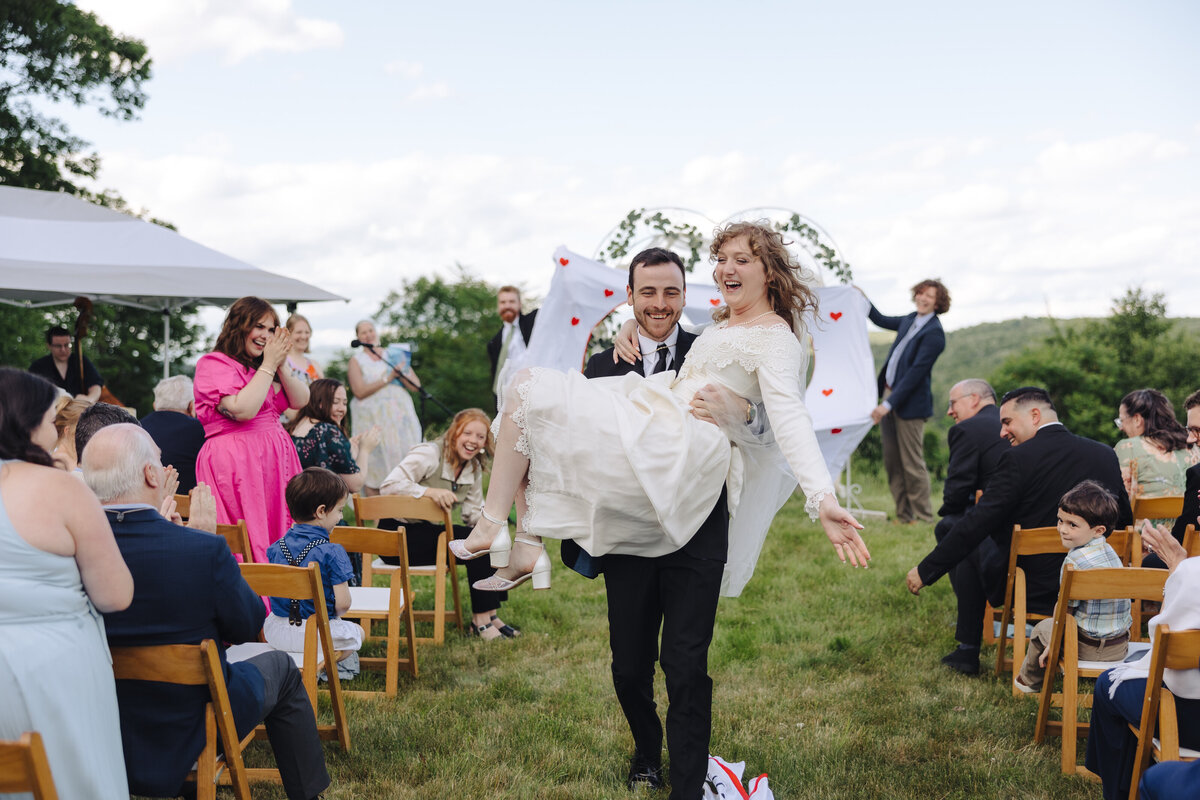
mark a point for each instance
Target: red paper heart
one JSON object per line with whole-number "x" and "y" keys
{"x": 827, "y": 392}
{"x": 574, "y": 320}
{"x": 715, "y": 301}
{"x": 564, "y": 261}
{"x": 835, "y": 316}
{"x": 608, "y": 292}
{"x": 835, "y": 430}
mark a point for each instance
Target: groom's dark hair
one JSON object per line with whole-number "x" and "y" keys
{"x": 654, "y": 256}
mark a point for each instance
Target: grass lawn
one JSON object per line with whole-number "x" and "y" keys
{"x": 826, "y": 678}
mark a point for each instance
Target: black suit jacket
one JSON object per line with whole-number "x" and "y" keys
{"x": 180, "y": 438}
{"x": 975, "y": 450}
{"x": 1191, "y": 503}
{"x": 912, "y": 396}
{"x": 524, "y": 324}
{"x": 711, "y": 542}
{"x": 186, "y": 588}
{"x": 1029, "y": 481}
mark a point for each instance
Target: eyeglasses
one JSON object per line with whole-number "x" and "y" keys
{"x": 1194, "y": 431}
{"x": 954, "y": 400}
{"x": 1117, "y": 421}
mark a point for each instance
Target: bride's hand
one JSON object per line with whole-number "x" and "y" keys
{"x": 625, "y": 343}
{"x": 842, "y": 529}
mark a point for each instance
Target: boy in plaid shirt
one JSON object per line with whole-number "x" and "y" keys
{"x": 1086, "y": 514}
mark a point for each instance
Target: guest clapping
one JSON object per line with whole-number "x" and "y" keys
{"x": 298, "y": 361}
{"x": 1156, "y": 454}
{"x": 380, "y": 401}
{"x": 174, "y": 428}
{"x": 241, "y": 389}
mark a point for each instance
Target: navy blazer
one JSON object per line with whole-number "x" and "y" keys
{"x": 975, "y": 450}
{"x": 186, "y": 588}
{"x": 912, "y": 396}
{"x": 1191, "y": 503}
{"x": 1029, "y": 481}
{"x": 180, "y": 438}
{"x": 712, "y": 540}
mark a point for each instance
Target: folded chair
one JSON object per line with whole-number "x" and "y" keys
{"x": 23, "y": 768}
{"x": 1172, "y": 650}
{"x": 1030, "y": 542}
{"x": 373, "y": 509}
{"x": 198, "y": 665}
{"x": 304, "y": 583}
{"x": 1063, "y": 650}
{"x": 391, "y": 603}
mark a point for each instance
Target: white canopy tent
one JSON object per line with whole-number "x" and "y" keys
{"x": 55, "y": 247}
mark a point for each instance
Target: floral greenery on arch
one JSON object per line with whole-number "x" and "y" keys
{"x": 642, "y": 228}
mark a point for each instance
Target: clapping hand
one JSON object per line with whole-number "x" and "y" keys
{"x": 277, "y": 348}
{"x": 1159, "y": 540}
{"x": 842, "y": 529}
{"x": 169, "y": 508}
{"x": 203, "y": 516}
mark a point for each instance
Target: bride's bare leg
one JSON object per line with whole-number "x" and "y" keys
{"x": 526, "y": 548}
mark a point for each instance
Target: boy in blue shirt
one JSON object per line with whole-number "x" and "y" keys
{"x": 1086, "y": 514}
{"x": 315, "y": 498}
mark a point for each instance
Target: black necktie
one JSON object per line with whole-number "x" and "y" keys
{"x": 663, "y": 353}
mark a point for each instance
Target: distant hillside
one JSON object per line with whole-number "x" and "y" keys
{"x": 976, "y": 351}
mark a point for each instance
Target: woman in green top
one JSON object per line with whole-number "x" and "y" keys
{"x": 1155, "y": 456}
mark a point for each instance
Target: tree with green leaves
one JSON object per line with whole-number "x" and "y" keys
{"x": 1088, "y": 368}
{"x": 54, "y": 52}
{"x": 449, "y": 322}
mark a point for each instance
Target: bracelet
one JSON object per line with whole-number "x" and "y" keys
{"x": 272, "y": 374}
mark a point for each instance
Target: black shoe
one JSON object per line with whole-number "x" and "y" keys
{"x": 644, "y": 773}
{"x": 963, "y": 660}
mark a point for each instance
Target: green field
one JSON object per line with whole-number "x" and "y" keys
{"x": 826, "y": 678}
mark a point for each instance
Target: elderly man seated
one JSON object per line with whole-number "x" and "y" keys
{"x": 174, "y": 428}
{"x": 187, "y": 587}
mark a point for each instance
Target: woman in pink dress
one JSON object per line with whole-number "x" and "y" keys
{"x": 241, "y": 389}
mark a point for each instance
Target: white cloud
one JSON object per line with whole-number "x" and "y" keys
{"x": 1075, "y": 160}
{"x": 409, "y": 70}
{"x": 238, "y": 29}
{"x": 430, "y": 91}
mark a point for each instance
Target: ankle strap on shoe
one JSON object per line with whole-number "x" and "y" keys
{"x": 490, "y": 518}
{"x": 524, "y": 540}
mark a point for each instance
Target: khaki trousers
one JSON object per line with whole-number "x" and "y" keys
{"x": 904, "y": 460}
{"x": 1033, "y": 674}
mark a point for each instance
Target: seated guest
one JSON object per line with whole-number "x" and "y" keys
{"x": 62, "y": 367}
{"x": 1117, "y": 702}
{"x": 1191, "y": 490}
{"x": 450, "y": 470}
{"x": 1156, "y": 454}
{"x": 1086, "y": 515}
{"x": 320, "y": 439}
{"x": 58, "y": 565}
{"x": 1045, "y": 462}
{"x": 187, "y": 588}
{"x": 1170, "y": 780}
{"x": 93, "y": 419}
{"x": 174, "y": 428}
{"x": 315, "y": 499}
{"x": 66, "y": 415}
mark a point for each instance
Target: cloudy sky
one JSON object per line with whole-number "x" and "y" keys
{"x": 1036, "y": 156}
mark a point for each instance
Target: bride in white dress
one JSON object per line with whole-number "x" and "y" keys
{"x": 634, "y": 465}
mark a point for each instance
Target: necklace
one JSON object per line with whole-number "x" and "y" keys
{"x": 747, "y": 322}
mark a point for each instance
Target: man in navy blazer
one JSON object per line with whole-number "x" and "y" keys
{"x": 174, "y": 428}
{"x": 907, "y": 399}
{"x": 187, "y": 588}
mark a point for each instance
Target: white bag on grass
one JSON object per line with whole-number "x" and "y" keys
{"x": 724, "y": 782}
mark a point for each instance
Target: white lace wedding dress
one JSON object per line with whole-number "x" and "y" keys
{"x": 621, "y": 466}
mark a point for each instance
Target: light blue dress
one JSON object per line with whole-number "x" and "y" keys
{"x": 55, "y": 670}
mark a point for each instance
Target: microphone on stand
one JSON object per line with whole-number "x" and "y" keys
{"x": 357, "y": 343}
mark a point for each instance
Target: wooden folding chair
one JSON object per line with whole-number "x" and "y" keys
{"x": 1121, "y": 541}
{"x": 392, "y": 603}
{"x": 198, "y": 665}
{"x": 237, "y": 536}
{"x": 23, "y": 768}
{"x": 1191, "y": 544}
{"x": 1063, "y": 650}
{"x": 304, "y": 583}
{"x": 373, "y": 509}
{"x": 1166, "y": 507}
{"x": 1172, "y": 650}
{"x": 183, "y": 504}
{"x": 1030, "y": 542}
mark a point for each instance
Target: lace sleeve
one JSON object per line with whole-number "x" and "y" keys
{"x": 779, "y": 379}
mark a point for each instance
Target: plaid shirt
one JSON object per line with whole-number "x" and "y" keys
{"x": 1100, "y": 619}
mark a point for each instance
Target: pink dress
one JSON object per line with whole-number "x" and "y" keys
{"x": 246, "y": 464}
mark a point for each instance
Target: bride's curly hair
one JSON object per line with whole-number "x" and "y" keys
{"x": 789, "y": 295}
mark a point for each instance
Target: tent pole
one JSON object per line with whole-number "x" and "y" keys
{"x": 166, "y": 315}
